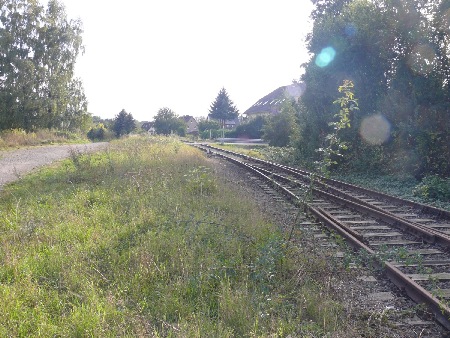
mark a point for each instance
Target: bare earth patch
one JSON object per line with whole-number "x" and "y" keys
{"x": 16, "y": 163}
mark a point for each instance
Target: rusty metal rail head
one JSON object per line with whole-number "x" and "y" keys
{"x": 414, "y": 290}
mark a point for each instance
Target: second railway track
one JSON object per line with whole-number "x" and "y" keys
{"x": 373, "y": 222}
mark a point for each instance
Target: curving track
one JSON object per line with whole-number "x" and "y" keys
{"x": 413, "y": 238}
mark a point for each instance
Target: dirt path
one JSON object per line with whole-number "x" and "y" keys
{"x": 16, "y": 163}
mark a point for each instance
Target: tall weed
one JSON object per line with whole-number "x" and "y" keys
{"x": 123, "y": 243}
{"x": 19, "y": 137}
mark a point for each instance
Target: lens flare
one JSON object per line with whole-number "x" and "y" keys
{"x": 325, "y": 57}
{"x": 375, "y": 129}
{"x": 422, "y": 59}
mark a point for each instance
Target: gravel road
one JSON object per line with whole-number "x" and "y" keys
{"x": 16, "y": 163}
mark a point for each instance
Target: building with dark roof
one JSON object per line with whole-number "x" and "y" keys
{"x": 271, "y": 103}
{"x": 191, "y": 124}
{"x": 149, "y": 127}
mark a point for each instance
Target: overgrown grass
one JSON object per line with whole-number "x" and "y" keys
{"x": 253, "y": 150}
{"x": 403, "y": 186}
{"x": 144, "y": 240}
{"x": 18, "y": 137}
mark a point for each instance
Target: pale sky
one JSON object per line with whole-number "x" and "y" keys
{"x": 143, "y": 55}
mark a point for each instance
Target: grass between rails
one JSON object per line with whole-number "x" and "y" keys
{"x": 144, "y": 240}
{"x": 250, "y": 150}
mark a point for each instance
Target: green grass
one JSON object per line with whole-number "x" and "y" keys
{"x": 20, "y": 138}
{"x": 253, "y": 150}
{"x": 144, "y": 240}
{"x": 402, "y": 186}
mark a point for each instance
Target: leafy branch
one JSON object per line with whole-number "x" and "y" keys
{"x": 335, "y": 145}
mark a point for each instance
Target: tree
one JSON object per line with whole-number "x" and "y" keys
{"x": 97, "y": 133}
{"x": 208, "y": 128}
{"x": 168, "y": 122}
{"x": 223, "y": 109}
{"x": 124, "y": 123}
{"x": 38, "y": 50}
{"x": 397, "y": 55}
{"x": 281, "y": 130}
{"x": 327, "y": 7}
{"x": 334, "y": 148}
{"x": 205, "y": 124}
{"x": 252, "y": 128}
{"x": 75, "y": 115}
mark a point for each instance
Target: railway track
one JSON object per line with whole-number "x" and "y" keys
{"x": 411, "y": 241}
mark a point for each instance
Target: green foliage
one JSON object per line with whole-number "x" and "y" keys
{"x": 396, "y": 54}
{"x": 254, "y": 150}
{"x": 281, "y": 130}
{"x": 401, "y": 185}
{"x": 252, "y": 128}
{"x": 108, "y": 123}
{"x": 206, "y": 125}
{"x": 19, "y": 137}
{"x": 123, "y": 123}
{"x": 211, "y": 134}
{"x": 38, "y": 51}
{"x": 208, "y": 129}
{"x": 168, "y": 122}
{"x": 434, "y": 187}
{"x": 327, "y": 7}
{"x": 97, "y": 133}
{"x": 335, "y": 146}
{"x": 200, "y": 181}
{"x": 285, "y": 155}
{"x": 122, "y": 243}
{"x": 223, "y": 108}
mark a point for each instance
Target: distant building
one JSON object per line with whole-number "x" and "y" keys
{"x": 149, "y": 127}
{"x": 228, "y": 124}
{"x": 191, "y": 125}
{"x": 231, "y": 124}
{"x": 271, "y": 103}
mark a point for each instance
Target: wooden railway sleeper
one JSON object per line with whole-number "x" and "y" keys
{"x": 439, "y": 236}
{"x": 395, "y": 221}
{"x": 415, "y": 291}
{"x": 414, "y": 229}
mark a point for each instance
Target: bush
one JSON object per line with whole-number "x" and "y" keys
{"x": 434, "y": 187}
{"x": 283, "y": 155}
{"x": 19, "y": 137}
{"x": 97, "y": 133}
{"x": 210, "y": 134}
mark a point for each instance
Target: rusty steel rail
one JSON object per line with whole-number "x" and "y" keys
{"x": 429, "y": 235}
{"x": 401, "y": 280}
{"x": 416, "y": 292}
{"x": 444, "y": 214}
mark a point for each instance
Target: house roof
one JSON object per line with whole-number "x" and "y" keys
{"x": 147, "y": 125}
{"x": 186, "y": 118}
{"x": 271, "y": 103}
